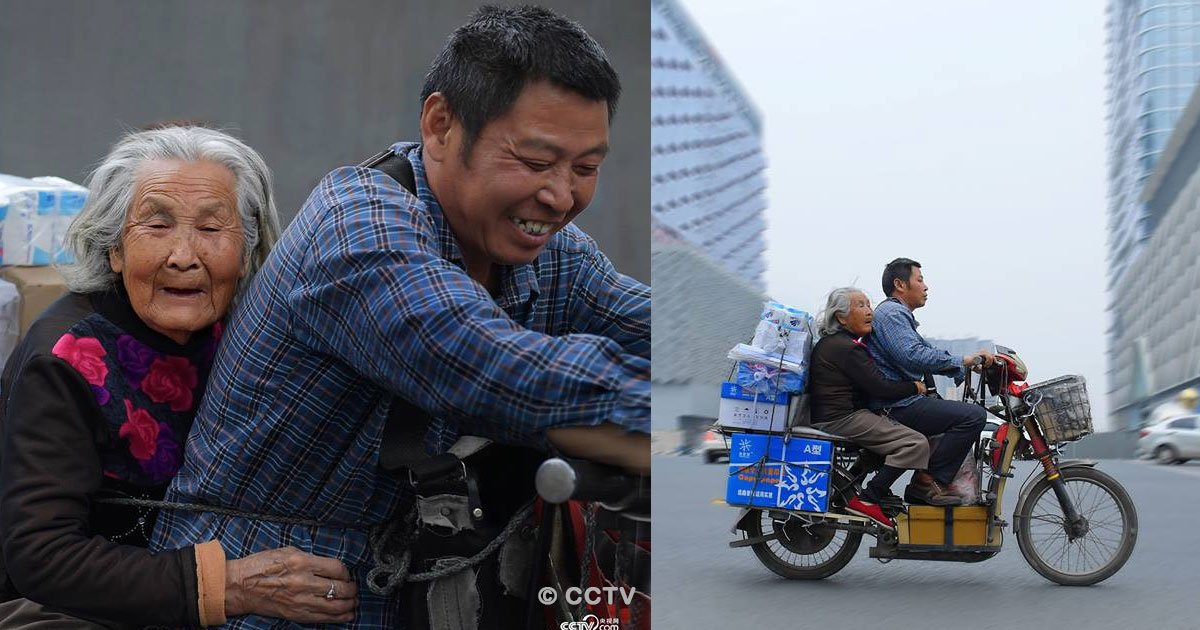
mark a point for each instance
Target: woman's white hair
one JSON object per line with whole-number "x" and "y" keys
{"x": 838, "y": 303}
{"x": 98, "y": 228}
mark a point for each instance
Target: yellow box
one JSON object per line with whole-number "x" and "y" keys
{"x": 928, "y": 525}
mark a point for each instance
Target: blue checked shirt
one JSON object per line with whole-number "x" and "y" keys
{"x": 902, "y": 354}
{"x": 365, "y": 296}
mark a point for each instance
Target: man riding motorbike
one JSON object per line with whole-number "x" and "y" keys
{"x": 902, "y": 354}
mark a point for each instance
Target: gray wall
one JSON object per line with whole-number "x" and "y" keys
{"x": 1113, "y": 445}
{"x": 311, "y": 84}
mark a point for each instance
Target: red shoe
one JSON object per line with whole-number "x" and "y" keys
{"x": 857, "y": 506}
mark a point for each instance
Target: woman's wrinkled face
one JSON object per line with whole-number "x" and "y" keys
{"x": 181, "y": 249}
{"x": 858, "y": 319}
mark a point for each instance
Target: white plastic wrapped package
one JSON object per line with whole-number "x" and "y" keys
{"x": 10, "y": 317}
{"x": 784, "y": 329}
{"x": 4, "y": 203}
{"x": 38, "y": 214}
{"x": 18, "y": 219}
{"x": 766, "y": 379}
{"x": 61, "y": 208}
{"x": 752, "y": 354}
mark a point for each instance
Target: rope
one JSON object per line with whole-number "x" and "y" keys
{"x": 394, "y": 569}
{"x": 588, "y": 511}
{"x": 223, "y": 511}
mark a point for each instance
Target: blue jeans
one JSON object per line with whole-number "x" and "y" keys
{"x": 958, "y": 422}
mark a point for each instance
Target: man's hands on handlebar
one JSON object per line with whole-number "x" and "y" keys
{"x": 979, "y": 360}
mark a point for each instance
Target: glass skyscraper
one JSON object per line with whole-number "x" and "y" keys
{"x": 707, "y": 197}
{"x": 707, "y": 183}
{"x": 1153, "y": 67}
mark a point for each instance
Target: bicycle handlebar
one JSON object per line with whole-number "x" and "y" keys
{"x": 560, "y": 480}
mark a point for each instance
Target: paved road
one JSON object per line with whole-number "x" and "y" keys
{"x": 699, "y": 582}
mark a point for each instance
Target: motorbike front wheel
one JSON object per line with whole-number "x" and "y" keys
{"x": 1111, "y": 528}
{"x": 801, "y": 551}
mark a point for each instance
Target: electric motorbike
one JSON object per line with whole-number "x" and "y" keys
{"x": 1074, "y": 524}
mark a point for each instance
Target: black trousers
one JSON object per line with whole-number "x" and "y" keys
{"x": 958, "y": 422}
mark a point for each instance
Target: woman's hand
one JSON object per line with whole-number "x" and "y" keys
{"x": 920, "y": 388}
{"x": 289, "y": 584}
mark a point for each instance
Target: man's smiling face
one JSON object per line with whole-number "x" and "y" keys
{"x": 528, "y": 174}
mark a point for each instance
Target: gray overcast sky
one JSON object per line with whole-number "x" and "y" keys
{"x": 968, "y": 137}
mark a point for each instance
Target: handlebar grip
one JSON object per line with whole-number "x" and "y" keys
{"x": 559, "y": 480}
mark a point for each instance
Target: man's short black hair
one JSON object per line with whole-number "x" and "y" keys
{"x": 490, "y": 59}
{"x": 899, "y": 269}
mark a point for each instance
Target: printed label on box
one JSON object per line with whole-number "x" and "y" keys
{"x": 767, "y": 471}
{"x": 742, "y": 409}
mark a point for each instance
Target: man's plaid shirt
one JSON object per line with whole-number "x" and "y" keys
{"x": 902, "y": 354}
{"x": 365, "y": 296}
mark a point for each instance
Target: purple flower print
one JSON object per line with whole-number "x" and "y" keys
{"x": 165, "y": 461}
{"x": 135, "y": 359}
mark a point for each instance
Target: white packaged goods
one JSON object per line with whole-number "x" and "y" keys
{"x": 784, "y": 329}
{"x": 48, "y": 245}
{"x": 10, "y": 318}
{"x": 752, "y": 354}
{"x": 36, "y": 220}
{"x": 3, "y": 217}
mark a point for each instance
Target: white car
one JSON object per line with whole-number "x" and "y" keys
{"x": 714, "y": 447}
{"x": 1172, "y": 441}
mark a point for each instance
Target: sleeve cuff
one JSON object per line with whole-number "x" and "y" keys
{"x": 210, "y": 582}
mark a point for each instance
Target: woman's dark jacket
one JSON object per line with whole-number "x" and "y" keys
{"x": 93, "y": 402}
{"x": 842, "y": 377}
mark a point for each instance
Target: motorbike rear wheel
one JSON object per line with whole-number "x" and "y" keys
{"x": 1096, "y": 555}
{"x": 801, "y": 551}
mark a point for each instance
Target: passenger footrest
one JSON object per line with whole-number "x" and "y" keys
{"x": 893, "y": 506}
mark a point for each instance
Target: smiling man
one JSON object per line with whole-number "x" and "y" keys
{"x": 464, "y": 295}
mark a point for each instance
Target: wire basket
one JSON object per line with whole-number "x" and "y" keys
{"x": 1061, "y": 408}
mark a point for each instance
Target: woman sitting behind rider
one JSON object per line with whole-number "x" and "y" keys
{"x": 842, "y": 379}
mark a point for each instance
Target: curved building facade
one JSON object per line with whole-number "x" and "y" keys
{"x": 707, "y": 197}
{"x": 1155, "y": 342}
{"x": 1153, "y": 67}
{"x": 707, "y": 182}
{"x": 1153, "y": 64}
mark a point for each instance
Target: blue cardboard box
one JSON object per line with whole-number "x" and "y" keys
{"x": 766, "y": 471}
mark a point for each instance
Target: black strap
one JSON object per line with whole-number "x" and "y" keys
{"x": 404, "y": 430}
{"x": 395, "y": 166}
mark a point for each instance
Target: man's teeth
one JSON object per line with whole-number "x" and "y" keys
{"x": 532, "y": 228}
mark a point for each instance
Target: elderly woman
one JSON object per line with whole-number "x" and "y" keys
{"x": 842, "y": 379}
{"x": 96, "y": 401}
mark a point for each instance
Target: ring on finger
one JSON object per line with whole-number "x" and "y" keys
{"x": 332, "y": 592}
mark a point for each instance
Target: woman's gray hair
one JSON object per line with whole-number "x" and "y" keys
{"x": 838, "y": 303}
{"x": 98, "y": 228}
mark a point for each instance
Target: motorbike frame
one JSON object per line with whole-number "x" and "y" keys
{"x": 888, "y": 547}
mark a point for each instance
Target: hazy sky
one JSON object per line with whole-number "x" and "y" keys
{"x": 968, "y": 137}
